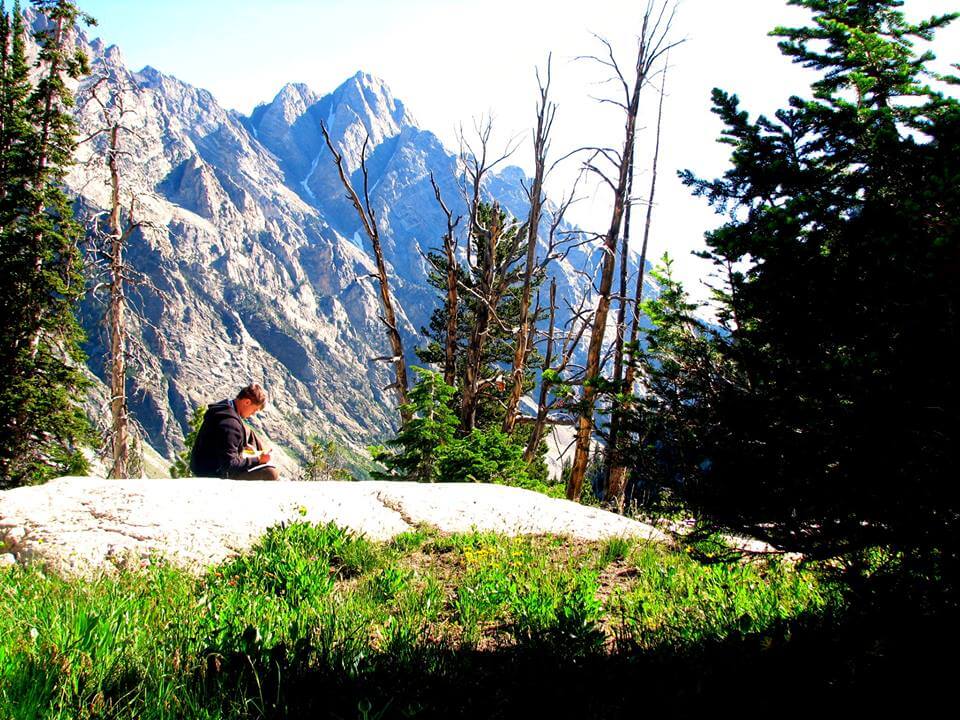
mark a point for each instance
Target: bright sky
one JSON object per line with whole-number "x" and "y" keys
{"x": 450, "y": 61}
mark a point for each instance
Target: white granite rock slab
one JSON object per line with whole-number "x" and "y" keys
{"x": 79, "y": 525}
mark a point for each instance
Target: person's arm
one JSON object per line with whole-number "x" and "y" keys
{"x": 232, "y": 461}
{"x": 253, "y": 443}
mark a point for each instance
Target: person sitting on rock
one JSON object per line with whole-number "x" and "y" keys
{"x": 226, "y": 447}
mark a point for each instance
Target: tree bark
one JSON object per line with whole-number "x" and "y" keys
{"x": 617, "y": 476}
{"x": 616, "y": 413}
{"x": 651, "y": 47}
{"x": 118, "y": 396}
{"x": 545, "y": 114}
{"x": 389, "y": 318}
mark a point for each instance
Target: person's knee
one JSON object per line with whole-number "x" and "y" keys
{"x": 271, "y": 474}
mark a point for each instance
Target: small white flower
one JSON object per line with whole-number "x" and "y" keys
{"x": 34, "y": 633}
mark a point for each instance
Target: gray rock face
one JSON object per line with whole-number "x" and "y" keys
{"x": 247, "y": 282}
{"x": 82, "y": 525}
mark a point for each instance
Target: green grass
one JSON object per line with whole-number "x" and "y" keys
{"x": 317, "y": 622}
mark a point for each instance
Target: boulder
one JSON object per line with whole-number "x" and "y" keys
{"x": 79, "y": 525}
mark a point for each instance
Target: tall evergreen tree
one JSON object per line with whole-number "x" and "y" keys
{"x": 488, "y": 314}
{"x": 40, "y": 419}
{"x": 843, "y": 250}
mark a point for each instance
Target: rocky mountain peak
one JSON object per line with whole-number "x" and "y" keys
{"x": 290, "y": 103}
{"x": 369, "y": 100}
{"x": 110, "y": 54}
{"x": 370, "y": 97}
{"x": 255, "y": 257}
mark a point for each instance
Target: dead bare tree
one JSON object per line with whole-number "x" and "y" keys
{"x": 558, "y": 244}
{"x": 452, "y": 271}
{"x": 110, "y": 95}
{"x": 368, "y": 219}
{"x": 652, "y": 44}
{"x": 541, "y": 143}
{"x": 616, "y": 414}
{"x": 617, "y": 472}
{"x": 497, "y": 241}
{"x": 476, "y": 163}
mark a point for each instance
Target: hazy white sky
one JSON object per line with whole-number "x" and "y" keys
{"x": 452, "y": 60}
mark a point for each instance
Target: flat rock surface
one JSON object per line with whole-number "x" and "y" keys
{"x": 78, "y": 525}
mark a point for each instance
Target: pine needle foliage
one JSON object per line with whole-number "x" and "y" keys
{"x": 839, "y": 430}
{"x": 40, "y": 419}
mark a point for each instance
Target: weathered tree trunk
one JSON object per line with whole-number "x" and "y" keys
{"x": 113, "y": 110}
{"x": 540, "y": 424}
{"x": 616, "y": 413}
{"x": 450, "y": 252}
{"x": 617, "y": 475}
{"x": 585, "y": 422}
{"x": 651, "y": 47}
{"x": 389, "y": 318}
{"x": 118, "y": 395}
{"x": 541, "y": 140}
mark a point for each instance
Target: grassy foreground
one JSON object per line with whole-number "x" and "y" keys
{"x": 316, "y": 622}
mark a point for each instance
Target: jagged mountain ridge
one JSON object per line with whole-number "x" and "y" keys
{"x": 400, "y": 158}
{"x": 255, "y": 260}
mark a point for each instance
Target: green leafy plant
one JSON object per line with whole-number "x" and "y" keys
{"x": 412, "y": 453}
{"x": 482, "y": 456}
{"x": 181, "y": 464}
{"x": 316, "y": 621}
{"x": 325, "y": 462}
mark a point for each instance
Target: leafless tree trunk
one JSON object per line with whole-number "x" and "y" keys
{"x": 118, "y": 341}
{"x": 450, "y": 252}
{"x": 617, "y": 475}
{"x": 368, "y": 219}
{"x": 616, "y": 414}
{"x": 541, "y": 143}
{"x": 114, "y": 111}
{"x": 652, "y": 45}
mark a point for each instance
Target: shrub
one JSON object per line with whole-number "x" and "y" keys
{"x": 483, "y": 456}
{"x": 181, "y": 464}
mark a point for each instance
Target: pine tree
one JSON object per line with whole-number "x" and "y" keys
{"x": 181, "y": 463}
{"x": 432, "y": 425}
{"x": 842, "y": 248}
{"x": 42, "y": 423}
{"x": 484, "y": 338}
